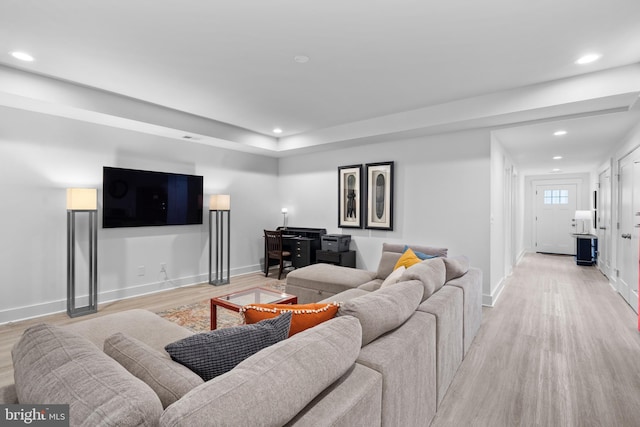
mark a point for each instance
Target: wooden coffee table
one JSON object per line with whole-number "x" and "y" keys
{"x": 237, "y": 300}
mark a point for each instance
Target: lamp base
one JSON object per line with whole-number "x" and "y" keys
{"x": 81, "y": 311}
{"x": 219, "y": 282}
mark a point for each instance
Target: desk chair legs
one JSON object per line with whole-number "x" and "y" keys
{"x": 266, "y": 268}
{"x": 273, "y": 246}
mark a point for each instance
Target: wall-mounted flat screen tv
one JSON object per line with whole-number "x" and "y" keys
{"x": 137, "y": 198}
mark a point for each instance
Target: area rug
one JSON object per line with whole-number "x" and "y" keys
{"x": 196, "y": 316}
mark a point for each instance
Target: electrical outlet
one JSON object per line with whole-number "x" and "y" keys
{"x": 163, "y": 267}
{"x": 141, "y": 270}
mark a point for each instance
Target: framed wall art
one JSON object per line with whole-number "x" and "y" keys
{"x": 350, "y": 196}
{"x": 379, "y": 192}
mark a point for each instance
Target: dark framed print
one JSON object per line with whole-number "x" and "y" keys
{"x": 379, "y": 205}
{"x": 350, "y": 196}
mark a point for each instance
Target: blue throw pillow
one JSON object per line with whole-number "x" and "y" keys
{"x": 213, "y": 353}
{"x": 419, "y": 254}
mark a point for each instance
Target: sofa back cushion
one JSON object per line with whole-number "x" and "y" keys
{"x": 391, "y": 253}
{"x": 383, "y": 310}
{"x": 456, "y": 267}
{"x": 272, "y": 386}
{"x": 428, "y": 250}
{"x": 170, "y": 380}
{"x": 430, "y": 272}
{"x": 388, "y": 261}
{"x": 55, "y": 366}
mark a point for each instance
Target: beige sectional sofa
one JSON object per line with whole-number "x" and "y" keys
{"x": 386, "y": 359}
{"x": 374, "y": 364}
{"x": 452, "y": 298}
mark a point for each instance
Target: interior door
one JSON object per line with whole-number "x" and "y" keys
{"x": 635, "y": 241}
{"x": 603, "y": 223}
{"x": 555, "y": 210}
{"x": 627, "y": 236}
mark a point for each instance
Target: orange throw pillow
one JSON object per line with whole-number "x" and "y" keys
{"x": 304, "y": 316}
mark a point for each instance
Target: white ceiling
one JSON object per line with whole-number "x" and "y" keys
{"x": 233, "y": 61}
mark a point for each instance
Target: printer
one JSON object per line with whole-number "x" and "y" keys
{"x": 336, "y": 242}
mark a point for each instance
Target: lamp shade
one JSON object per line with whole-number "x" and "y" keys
{"x": 220, "y": 202}
{"x": 82, "y": 199}
{"x": 284, "y": 210}
{"x": 583, "y": 215}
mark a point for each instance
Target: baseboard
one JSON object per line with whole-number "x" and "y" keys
{"x": 490, "y": 300}
{"x": 58, "y": 306}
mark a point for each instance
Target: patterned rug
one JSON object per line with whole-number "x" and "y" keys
{"x": 196, "y": 316}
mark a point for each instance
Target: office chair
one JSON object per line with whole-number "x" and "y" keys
{"x": 273, "y": 241}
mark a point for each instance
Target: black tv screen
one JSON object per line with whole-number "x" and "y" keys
{"x": 137, "y": 198}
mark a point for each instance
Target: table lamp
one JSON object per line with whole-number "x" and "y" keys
{"x": 582, "y": 218}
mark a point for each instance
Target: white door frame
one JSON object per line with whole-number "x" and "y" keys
{"x": 604, "y": 225}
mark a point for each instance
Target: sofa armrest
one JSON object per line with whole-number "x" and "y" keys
{"x": 8, "y": 395}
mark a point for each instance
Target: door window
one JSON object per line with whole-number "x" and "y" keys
{"x": 556, "y": 197}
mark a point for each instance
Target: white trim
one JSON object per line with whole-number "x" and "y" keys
{"x": 490, "y": 300}
{"x": 18, "y": 314}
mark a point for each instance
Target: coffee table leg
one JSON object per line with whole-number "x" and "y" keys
{"x": 214, "y": 313}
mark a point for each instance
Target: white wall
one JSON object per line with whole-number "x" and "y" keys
{"x": 441, "y": 194}
{"x": 41, "y": 155}
{"x": 504, "y": 211}
{"x": 628, "y": 144}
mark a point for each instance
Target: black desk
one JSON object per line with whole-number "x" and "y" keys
{"x": 302, "y": 242}
{"x": 345, "y": 259}
{"x": 586, "y": 248}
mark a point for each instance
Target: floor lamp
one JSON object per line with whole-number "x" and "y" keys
{"x": 219, "y": 205}
{"x": 82, "y": 201}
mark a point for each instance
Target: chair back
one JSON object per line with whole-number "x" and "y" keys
{"x": 273, "y": 240}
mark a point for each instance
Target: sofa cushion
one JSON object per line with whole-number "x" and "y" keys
{"x": 272, "y": 386}
{"x": 141, "y": 324}
{"x": 371, "y": 286}
{"x": 385, "y": 309}
{"x": 55, "y": 366}
{"x": 430, "y": 272}
{"x": 394, "y": 277}
{"x": 345, "y": 296}
{"x": 456, "y": 267}
{"x": 213, "y": 353}
{"x": 303, "y": 316}
{"x": 388, "y": 261}
{"x": 419, "y": 254}
{"x": 328, "y": 277}
{"x": 429, "y": 250}
{"x": 170, "y": 380}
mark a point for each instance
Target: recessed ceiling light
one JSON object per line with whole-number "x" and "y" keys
{"x": 555, "y": 170}
{"x": 23, "y": 56}
{"x": 588, "y": 59}
{"x": 277, "y": 130}
{"x": 560, "y": 132}
{"x": 301, "y": 59}
{"x": 557, "y": 157}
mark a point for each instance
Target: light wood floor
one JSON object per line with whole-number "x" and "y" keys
{"x": 561, "y": 348}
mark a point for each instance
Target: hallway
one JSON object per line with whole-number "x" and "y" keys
{"x": 560, "y": 348}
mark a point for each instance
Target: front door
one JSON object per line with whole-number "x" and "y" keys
{"x": 555, "y": 210}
